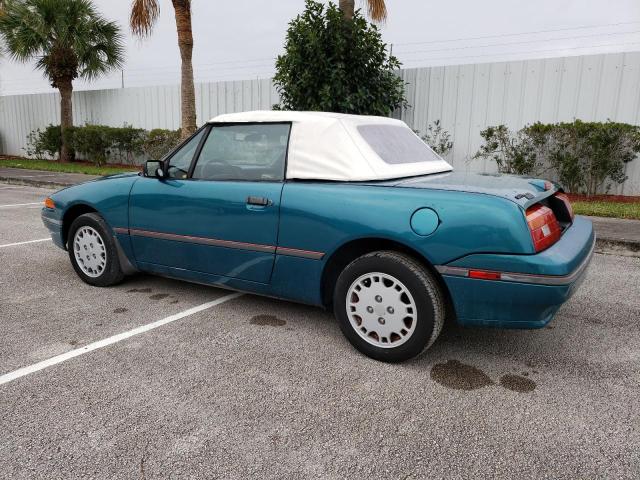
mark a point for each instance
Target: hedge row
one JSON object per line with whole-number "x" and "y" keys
{"x": 101, "y": 143}
{"x": 584, "y": 157}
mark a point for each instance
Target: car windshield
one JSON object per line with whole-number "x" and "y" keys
{"x": 397, "y": 145}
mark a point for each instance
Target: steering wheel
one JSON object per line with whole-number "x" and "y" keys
{"x": 179, "y": 169}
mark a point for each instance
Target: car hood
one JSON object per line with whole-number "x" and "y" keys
{"x": 116, "y": 175}
{"x": 102, "y": 179}
{"x": 524, "y": 191}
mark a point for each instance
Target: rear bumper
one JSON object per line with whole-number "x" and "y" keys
{"x": 532, "y": 287}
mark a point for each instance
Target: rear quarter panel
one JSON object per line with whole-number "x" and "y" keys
{"x": 324, "y": 216}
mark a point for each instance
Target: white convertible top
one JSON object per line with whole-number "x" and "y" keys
{"x": 334, "y": 146}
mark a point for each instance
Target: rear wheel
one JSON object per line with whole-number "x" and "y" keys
{"x": 92, "y": 251}
{"x": 388, "y": 306}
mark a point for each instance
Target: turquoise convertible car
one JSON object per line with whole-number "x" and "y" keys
{"x": 352, "y": 213}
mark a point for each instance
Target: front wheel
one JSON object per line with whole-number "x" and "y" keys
{"x": 389, "y": 306}
{"x": 93, "y": 252}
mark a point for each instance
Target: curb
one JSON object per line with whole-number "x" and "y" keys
{"x": 33, "y": 183}
{"x": 625, "y": 248}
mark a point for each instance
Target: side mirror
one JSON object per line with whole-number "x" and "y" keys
{"x": 154, "y": 169}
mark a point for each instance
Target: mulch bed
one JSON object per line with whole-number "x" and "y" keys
{"x": 574, "y": 197}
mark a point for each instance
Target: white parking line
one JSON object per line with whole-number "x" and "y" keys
{"x": 20, "y": 204}
{"x": 21, "y": 372}
{"x": 24, "y": 243}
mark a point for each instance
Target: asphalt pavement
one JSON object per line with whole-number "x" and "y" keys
{"x": 156, "y": 378}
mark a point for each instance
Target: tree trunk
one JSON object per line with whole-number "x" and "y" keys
{"x": 348, "y": 8}
{"x": 187, "y": 89}
{"x": 66, "y": 118}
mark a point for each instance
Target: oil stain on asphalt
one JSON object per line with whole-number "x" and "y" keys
{"x": 267, "y": 320}
{"x": 159, "y": 296}
{"x": 459, "y": 376}
{"x": 517, "y": 383}
{"x": 120, "y": 310}
{"x": 139, "y": 290}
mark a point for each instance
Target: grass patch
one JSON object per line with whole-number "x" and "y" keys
{"x": 75, "y": 167}
{"x": 608, "y": 209}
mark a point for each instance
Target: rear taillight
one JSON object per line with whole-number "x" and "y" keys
{"x": 545, "y": 229}
{"x": 567, "y": 203}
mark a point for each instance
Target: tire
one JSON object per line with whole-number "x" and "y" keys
{"x": 389, "y": 306}
{"x": 98, "y": 264}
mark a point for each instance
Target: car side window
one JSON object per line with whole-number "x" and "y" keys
{"x": 251, "y": 152}
{"x": 179, "y": 163}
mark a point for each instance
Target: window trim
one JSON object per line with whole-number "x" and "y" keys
{"x": 211, "y": 125}
{"x": 166, "y": 161}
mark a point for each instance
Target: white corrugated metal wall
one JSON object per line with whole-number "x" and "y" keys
{"x": 468, "y": 98}
{"x": 465, "y": 98}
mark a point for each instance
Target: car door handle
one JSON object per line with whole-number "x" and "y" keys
{"x": 261, "y": 201}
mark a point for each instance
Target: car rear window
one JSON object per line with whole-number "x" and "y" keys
{"x": 396, "y": 145}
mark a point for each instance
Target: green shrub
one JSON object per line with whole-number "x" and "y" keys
{"x": 43, "y": 143}
{"x": 127, "y": 143}
{"x": 438, "y": 138}
{"x": 331, "y": 64}
{"x": 585, "y": 157}
{"x": 514, "y": 153}
{"x": 589, "y": 156}
{"x": 93, "y": 141}
{"x": 96, "y": 143}
{"x": 159, "y": 142}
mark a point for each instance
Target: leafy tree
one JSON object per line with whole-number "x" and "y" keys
{"x": 376, "y": 9}
{"x": 144, "y": 14}
{"x": 68, "y": 39}
{"x": 333, "y": 64}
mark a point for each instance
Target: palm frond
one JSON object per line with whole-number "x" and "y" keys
{"x": 144, "y": 14}
{"x": 377, "y": 10}
{"x": 105, "y": 51}
{"x": 65, "y": 38}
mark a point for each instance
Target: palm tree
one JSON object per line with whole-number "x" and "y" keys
{"x": 376, "y": 9}
{"x": 68, "y": 39}
{"x": 144, "y": 14}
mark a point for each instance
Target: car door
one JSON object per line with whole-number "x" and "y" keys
{"x": 216, "y": 211}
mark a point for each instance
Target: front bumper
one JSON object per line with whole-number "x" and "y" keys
{"x": 54, "y": 225}
{"x": 531, "y": 288}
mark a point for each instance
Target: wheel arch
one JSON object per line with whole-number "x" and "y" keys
{"x": 71, "y": 214}
{"x": 353, "y": 249}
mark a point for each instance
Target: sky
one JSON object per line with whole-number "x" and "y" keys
{"x": 242, "y": 38}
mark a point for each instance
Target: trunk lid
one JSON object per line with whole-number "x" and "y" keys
{"x": 522, "y": 190}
